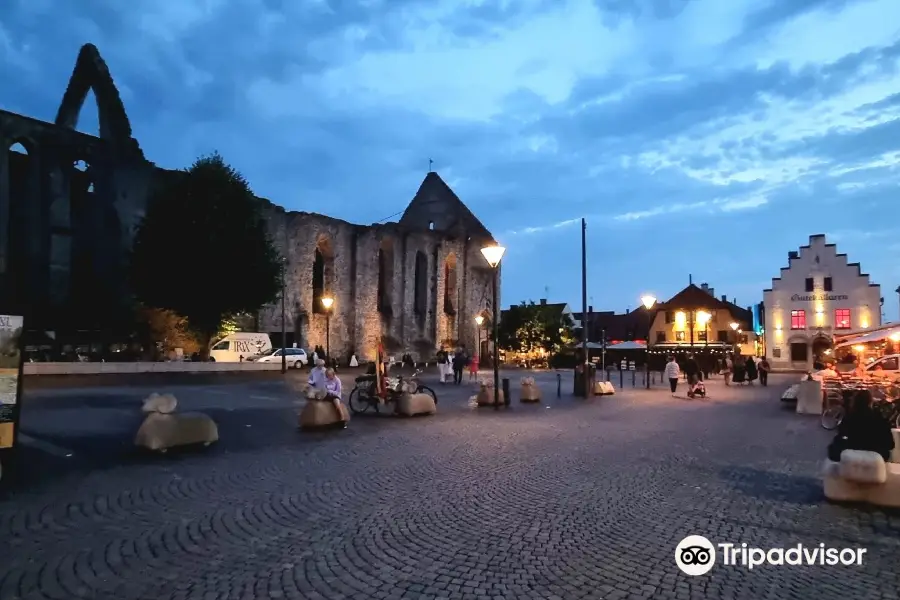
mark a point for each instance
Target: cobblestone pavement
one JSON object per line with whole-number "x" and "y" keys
{"x": 563, "y": 499}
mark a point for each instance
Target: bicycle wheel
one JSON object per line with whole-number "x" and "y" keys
{"x": 832, "y": 417}
{"x": 424, "y": 389}
{"x": 358, "y": 404}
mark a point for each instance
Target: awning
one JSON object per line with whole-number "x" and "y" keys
{"x": 591, "y": 346}
{"x": 875, "y": 336}
{"x": 632, "y": 345}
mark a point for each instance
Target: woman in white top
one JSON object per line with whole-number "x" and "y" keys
{"x": 673, "y": 373}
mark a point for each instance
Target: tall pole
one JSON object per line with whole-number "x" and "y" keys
{"x": 584, "y": 311}
{"x": 283, "y": 329}
{"x": 494, "y": 324}
{"x": 328, "y": 335}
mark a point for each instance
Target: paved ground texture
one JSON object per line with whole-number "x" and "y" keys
{"x": 564, "y": 499}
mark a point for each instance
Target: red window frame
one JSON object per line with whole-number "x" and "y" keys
{"x": 798, "y": 319}
{"x": 842, "y": 318}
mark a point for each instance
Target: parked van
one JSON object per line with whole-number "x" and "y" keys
{"x": 237, "y": 346}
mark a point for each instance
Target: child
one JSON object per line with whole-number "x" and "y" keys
{"x": 473, "y": 368}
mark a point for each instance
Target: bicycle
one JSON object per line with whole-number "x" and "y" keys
{"x": 833, "y": 414}
{"x": 365, "y": 395}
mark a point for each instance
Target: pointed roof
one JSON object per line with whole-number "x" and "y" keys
{"x": 91, "y": 73}
{"x": 435, "y": 204}
{"x": 693, "y": 298}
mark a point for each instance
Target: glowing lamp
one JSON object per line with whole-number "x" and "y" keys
{"x": 327, "y": 302}
{"x": 703, "y": 317}
{"x": 895, "y": 337}
{"x": 648, "y": 300}
{"x": 493, "y": 254}
{"x": 734, "y": 326}
{"x": 479, "y": 320}
{"x": 859, "y": 347}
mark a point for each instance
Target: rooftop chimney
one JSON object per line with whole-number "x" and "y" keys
{"x": 704, "y": 287}
{"x": 793, "y": 254}
{"x": 712, "y": 292}
{"x": 590, "y": 309}
{"x": 724, "y": 298}
{"x": 543, "y": 301}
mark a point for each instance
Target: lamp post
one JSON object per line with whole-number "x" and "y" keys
{"x": 283, "y": 329}
{"x": 734, "y": 327}
{"x": 479, "y": 321}
{"x": 493, "y": 255}
{"x": 327, "y": 303}
{"x": 648, "y": 300}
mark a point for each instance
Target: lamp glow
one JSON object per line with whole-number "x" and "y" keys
{"x": 895, "y": 337}
{"x": 859, "y": 347}
{"x": 734, "y": 326}
{"x": 648, "y": 300}
{"x": 493, "y": 254}
{"x": 327, "y": 302}
{"x": 479, "y": 320}
{"x": 703, "y": 317}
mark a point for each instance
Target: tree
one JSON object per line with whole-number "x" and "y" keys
{"x": 164, "y": 329}
{"x": 529, "y": 327}
{"x": 202, "y": 250}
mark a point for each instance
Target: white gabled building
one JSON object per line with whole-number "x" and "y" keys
{"x": 818, "y": 295}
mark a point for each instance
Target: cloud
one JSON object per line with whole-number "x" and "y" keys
{"x": 685, "y": 120}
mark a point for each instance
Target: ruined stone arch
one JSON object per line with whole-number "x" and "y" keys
{"x": 91, "y": 73}
{"x": 386, "y": 277}
{"x": 322, "y": 272}
{"x": 451, "y": 296}
{"x": 420, "y": 289}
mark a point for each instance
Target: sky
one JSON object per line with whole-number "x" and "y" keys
{"x": 703, "y": 138}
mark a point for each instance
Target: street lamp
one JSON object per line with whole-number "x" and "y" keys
{"x": 479, "y": 321}
{"x": 493, "y": 255}
{"x": 734, "y": 327}
{"x": 327, "y": 303}
{"x": 648, "y": 300}
{"x": 283, "y": 329}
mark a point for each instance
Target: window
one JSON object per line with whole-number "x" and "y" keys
{"x": 701, "y": 336}
{"x": 660, "y": 337}
{"x": 842, "y": 318}
{"x": 669, "y": 316}
{"x": 221, "y": 346}
{"x": 827, "y": 284}
{"x": 809, "y": 284}
{"x": 420, "y": 302}
{"x": 722, "y": 336}
{"x": 743, "y": 339}
{"x": 679, "y": 336}
{"x": 776, "y": 352}
{"x": 888, "y": 364}
{"x": 798, "y": 319}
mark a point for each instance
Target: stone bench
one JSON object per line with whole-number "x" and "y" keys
{"x": 604, "y": 388}
{"x": 410, "y": 405}
{"x": 163, "y": 428}
{"x": 862, "y": 476}
{"x": 529, "y": 392}
{"x": 321, "y": 414}
{"x": 485, "y": 396}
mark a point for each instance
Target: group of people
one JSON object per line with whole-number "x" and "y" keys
{"x": 748, "y": 369}
{"x": 326, "y": 380}
{"x": 454, "y": 364}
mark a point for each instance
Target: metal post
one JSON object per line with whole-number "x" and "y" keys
{"x": 328, "y": 335}
{"x": 558, "y": 385}
{"x": 586, "y": 372}
{"x": 647, "y": 370}
{"x": 283, "y": 329}
{"x": 496, "y": 335}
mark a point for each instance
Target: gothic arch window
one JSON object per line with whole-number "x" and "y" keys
{"x": 386, "y": 277}
{"x": 420, "y": 305}
{"x": 450, "y": 291}
{"x": 322, "y": 272}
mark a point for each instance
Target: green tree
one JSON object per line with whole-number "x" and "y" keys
{"x": 529, "y": 327}
{"x": 202, "y": 250}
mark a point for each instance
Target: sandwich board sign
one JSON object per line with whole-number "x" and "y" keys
{"x": 11, "y": 361}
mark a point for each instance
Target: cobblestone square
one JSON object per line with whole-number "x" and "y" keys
{"x": 562, "y": 499}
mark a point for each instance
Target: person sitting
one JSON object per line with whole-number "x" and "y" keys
{"x": 333, "y": 391}
{"x": 862, "y": 428}
{"x": 317, "y": 375}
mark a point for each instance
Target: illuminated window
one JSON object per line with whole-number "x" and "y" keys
{"x": 842, "y": 318}
{"x": 679, "y": 336}
{"x": 701, "y": 336}
{"x": 798, "y": 319}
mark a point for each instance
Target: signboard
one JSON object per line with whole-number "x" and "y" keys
{"x": 10, "y": 377}
{"x": 816, "y": 297}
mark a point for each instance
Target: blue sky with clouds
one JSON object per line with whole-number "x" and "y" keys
{"x": 704, "y": 137}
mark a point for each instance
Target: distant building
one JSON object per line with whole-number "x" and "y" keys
{"x": 819, "y": 294}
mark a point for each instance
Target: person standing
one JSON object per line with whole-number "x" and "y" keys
{"x": 473, "y": 368}
{"x": 764, "y": 371}
{"x": 729, "y": 369}
{"x": 459, "y": 363}
{"x": 752, "y": 371}
{"x": 691, "y": 370}
{"x": 443, "y": 366}
{"x": 672, "y": 373}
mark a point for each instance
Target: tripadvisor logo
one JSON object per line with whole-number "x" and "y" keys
{"x": 696, "y": 555}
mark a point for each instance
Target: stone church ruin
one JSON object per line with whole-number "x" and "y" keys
{"x": 70, "y": 202}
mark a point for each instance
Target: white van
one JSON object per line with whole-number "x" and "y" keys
{"x": 237, "y": 346}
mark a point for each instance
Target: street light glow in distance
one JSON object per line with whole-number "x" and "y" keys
{"x": 493, "y": 254}
{"x": 327, "y": 302}
{"x": 734, "y": 326}
{"x": 479, "y": 320}
{"x": 648, "y": 300}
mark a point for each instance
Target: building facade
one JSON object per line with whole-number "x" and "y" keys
{"x": 414, "y": 285}
{"x": 818, "y": 295}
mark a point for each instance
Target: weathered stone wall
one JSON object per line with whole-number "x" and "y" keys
{"x": 356, "y": 325}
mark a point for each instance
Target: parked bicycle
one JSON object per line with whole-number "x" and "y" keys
{"x": 888, "y": 405}
{"x": 365, "y": 394}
